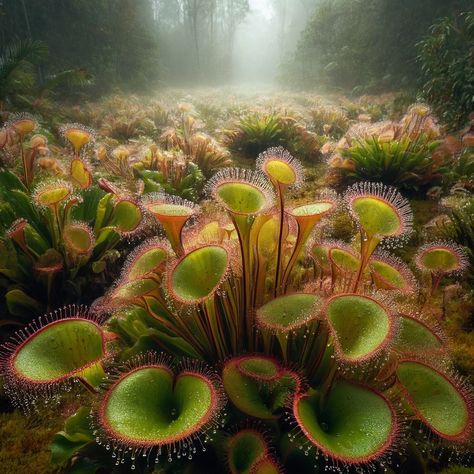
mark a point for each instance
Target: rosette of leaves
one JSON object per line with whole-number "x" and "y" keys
{"x": 256, "y": 132}
{"x": 342, "y": 370}
{"x": 56, "y": 239}
{"x": 402, "y": 154}
{"x": 405, "y": 163}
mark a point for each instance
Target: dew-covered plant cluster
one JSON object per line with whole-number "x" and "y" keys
{"x": 190, "y": 315}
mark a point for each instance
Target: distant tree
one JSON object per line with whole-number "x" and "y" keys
{"x": 364, "y": 46}
{"x": 446, "y": 56}
{"x": 196, "y": 37}
{"x": 115, "y": 40}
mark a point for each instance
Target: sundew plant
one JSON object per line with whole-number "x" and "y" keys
{"x": 238, "y": 339}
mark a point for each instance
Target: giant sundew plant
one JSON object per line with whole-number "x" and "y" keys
{"x": 220, "y": 348}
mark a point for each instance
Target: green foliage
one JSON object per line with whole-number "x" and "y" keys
{"x": 16, "y": 56}
{"x": 404, "y": 154}
{"x": 257, "y": 132}
{"x": 447, "y": 64}
{"x": 459, "y": 172}
{"x": 45, "y": 266}
{"x": 329, "y": 121}
{"x": 365, "y": 47}
{"x": 404, "y": 163}
{"x": 114, "y": 40}
{"x": 18, "y": 82}
{"x": 460, "y": 226}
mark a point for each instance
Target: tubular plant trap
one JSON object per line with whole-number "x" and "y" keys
{"x": 236, "y": 332}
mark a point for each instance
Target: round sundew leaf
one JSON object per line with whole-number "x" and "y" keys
{"x": 77, "y": 137}
{"x": 146, "y": 262}
{"x": 241, "y": 198}
{"x": 289, "y": 311}
{"x": 360, "y": 325}
{"x": 198, "y": 274}
{"x": 244, "y": 449}
{"x": 439, "y": 260}
{"x": 81, "y": 176}
{"x": 259, "y": 367}
{"x": 280, "y": 171}
{"x": 314, "y": 209}
{"x": 127, "y": 216}
{"x": 164, "y": 209}
{"x": 23, "y": 126}
{"x": 387, "y": 276}
{"x": 59, "y": 350}
{"x": 413, "y": 336}
{"x": 150, "y": 407}
{"x": 78, "y": 238}
{"x": 53, "y": 195}
{"x": 135, "y": 289}
{"x": 355, "y": 425}
{"x": 344, "y": 260}
{"x": 436, "y": 399}
{"x": 376, "y": 216}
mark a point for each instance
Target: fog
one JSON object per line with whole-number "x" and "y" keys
{"x": 268, "y": 33}
{"x": 145, "y": 45}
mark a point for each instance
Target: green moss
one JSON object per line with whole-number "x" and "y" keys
{"x": 25, "y": 442}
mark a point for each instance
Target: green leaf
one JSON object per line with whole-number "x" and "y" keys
{"x": 441, "y": 404}
{"x": 76, "y": 435}
{"x": 198, "y": 274}
{"x": 20, "y": 304}
{"x": 361, "y": 326}
{"x": 244, "y": 449}
{"x": 151, "y": 405}
{"x": 258, "y": 386}
{"x": 354, "y": 424}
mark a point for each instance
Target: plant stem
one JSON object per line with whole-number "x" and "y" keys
{"x": 326, "y": 388}
{"x": 280, "y": 241}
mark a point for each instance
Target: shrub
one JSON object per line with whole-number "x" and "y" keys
{"x": 256, "y": 132}
{"x": 401, "y": 154}
{"x": 447, "y": 63}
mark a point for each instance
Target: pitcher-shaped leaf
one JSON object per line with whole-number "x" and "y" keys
{"x": 52, "y": 193}
{"x": 172, "y": 212}
{"x": 281, "y": 167}
{"x": 379, "y": 210}
{"x": 361, "y": 326}
{"x": 354, "y": 425}
{"x": 196, "y": 276}
{"x": 391, "y": 273}
{"x": 78, "y": 238}
{"x": 442, "y": 404}
{"x": 343, "y": 259}
{"x": 146, "y": 259}
{"x": 77, "y": 135}
{"x": 241, "y": 191}
{"x": 442, "y": 258}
